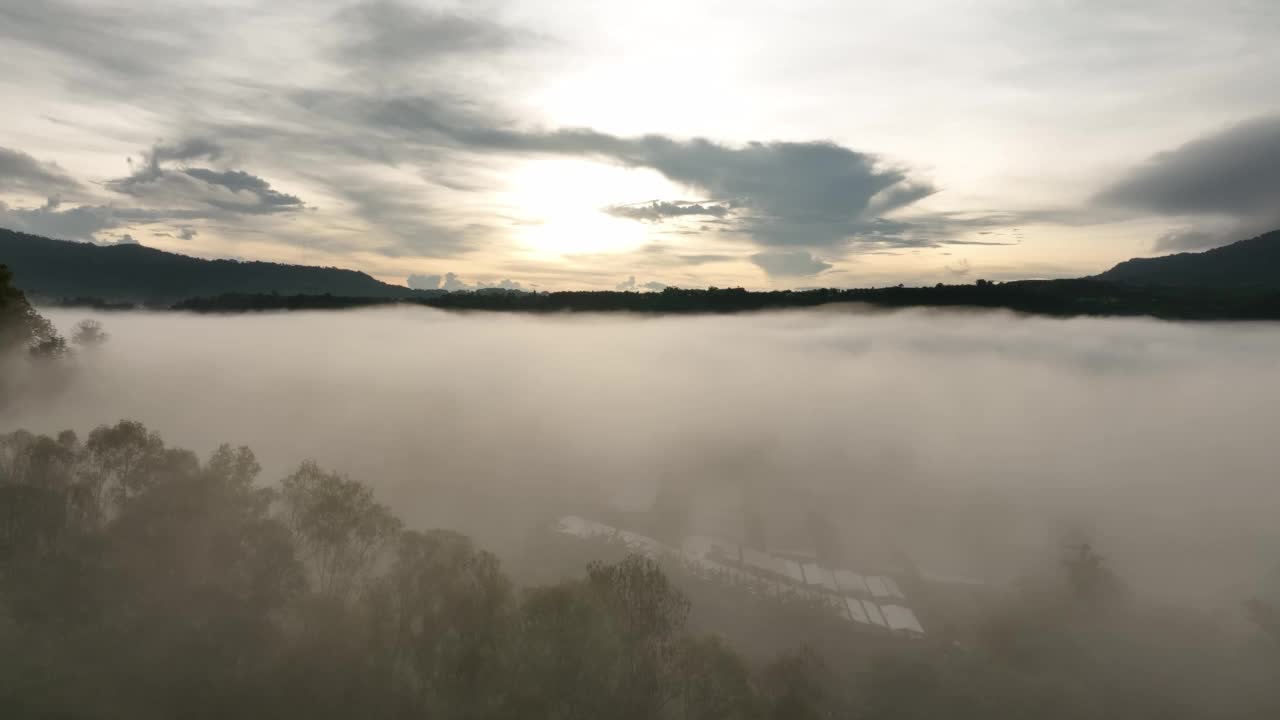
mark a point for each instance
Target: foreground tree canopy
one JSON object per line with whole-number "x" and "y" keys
{"x": 137, "y": 581}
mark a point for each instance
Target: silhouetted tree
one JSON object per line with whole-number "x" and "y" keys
{"x": 21, "y": 326}
{"x": 89, "y": 333}
{"x": 338, "y": 525}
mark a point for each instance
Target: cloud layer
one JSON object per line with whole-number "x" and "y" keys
{"x": 1227, "y": 182}
{"x": 401, "y": 129}
{"x": 21, "y": 173}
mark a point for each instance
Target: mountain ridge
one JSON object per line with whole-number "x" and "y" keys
{"x": 1251, "y": 263}
{"x": 51, "y": 269}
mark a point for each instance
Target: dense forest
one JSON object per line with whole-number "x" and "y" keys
{"x": 1062, "y": 298}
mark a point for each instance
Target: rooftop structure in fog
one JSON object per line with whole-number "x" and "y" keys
{"x": 875, "y": 602}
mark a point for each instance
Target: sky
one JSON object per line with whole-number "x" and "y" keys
{"x": 564, "y": 144}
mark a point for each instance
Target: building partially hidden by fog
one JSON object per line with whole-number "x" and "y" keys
{"x": 875, "y": 602}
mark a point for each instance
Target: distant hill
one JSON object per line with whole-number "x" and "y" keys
{"x": 49, "y": 269}
{"x": 1237, "y": 282}
{"x": 1253, "y": 263}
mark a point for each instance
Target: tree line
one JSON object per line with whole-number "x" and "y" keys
{"x": 1060, "y": 298}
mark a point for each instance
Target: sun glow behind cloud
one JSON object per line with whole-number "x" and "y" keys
{"x": 558, "y": 205}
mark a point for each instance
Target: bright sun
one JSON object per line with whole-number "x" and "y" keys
{"x": 559, "y": 205}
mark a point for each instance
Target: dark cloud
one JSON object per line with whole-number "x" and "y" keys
{"x": 234, "y": 191}
{"x": 811, "y": 194}
{"x": 659, "y": 210}
{"x": 264, "y": 197}
{"x": 782, "y": 194}
{"x": 792, "y": 263}
{"x": 21, "y": 173}
{"x": 164, "y": 189}
{"x": 1232, "y": 172}
{"x": 77, "y": 223}
{"x": 85, "y": 222}
{"x": 388, "y": 33}
{"x": 1226, "y": 185}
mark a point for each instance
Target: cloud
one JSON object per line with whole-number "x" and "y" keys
{"x": 811, "y": 195}
{"x": 183, "y": 233}
{"x": 659, "y": 210}
{"x": 424, "y": 282}
{"x": 663, "y": 254}
{"x": 234, "y": 191}
{"x": 794, "y": 194}
{"x": 452, "y": 283}
{"x": 385, "y": 33}
{"x": 1187, "y": 238}
{"x": 161, "y": 189}
{"x": 630, "y": 284}
{"x": 413, "y": 223}
{"x": 1227, "y": 182}
{"x": 21, "y": 173}
{"x": 127, "y": 239}
{"x": 84, "y": 222}
{"x": 77, "y": 223}
{"x": 188, "y": 149}
{"x": 262, "y": 197}
{"x": 793, "y": 263}
{"x": 111, "y": 48}
{"x": 413, "y": 152}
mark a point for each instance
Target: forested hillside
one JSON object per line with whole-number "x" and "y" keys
{"x": 1252, "y": 263}
{"x": 56, "y": 269}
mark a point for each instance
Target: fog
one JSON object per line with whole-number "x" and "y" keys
{"x": 975, "y": 442}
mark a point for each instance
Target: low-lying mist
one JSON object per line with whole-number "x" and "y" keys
{"x": 974, "y": 442}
